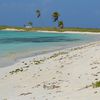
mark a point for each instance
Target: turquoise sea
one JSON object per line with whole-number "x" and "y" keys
{"x": 17, "y": 45}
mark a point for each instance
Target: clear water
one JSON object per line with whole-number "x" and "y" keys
{"x": 15, "y": 45}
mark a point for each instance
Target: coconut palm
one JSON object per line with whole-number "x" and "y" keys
{"x": 30, "y": 23}
{"x": 55, "y": 16}
{"x": 61, "y": 24}
{"x": 38, "y": 13}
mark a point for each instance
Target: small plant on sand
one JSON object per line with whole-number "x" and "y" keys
{"x": 96, "y": 85}
{"x": 16, "y": 71}
{"x": 37, "y": 62}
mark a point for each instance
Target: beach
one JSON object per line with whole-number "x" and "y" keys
{"x": 66, "y": 74}
{"x": 49, "y": 54}
{"x": 18, "y": 45}
{"x": 71, "y": 32}
{"x": 13, "y": 29}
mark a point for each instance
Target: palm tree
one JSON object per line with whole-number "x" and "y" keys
{"x": 30, "y": 23}
{"x": 38, "y": 13}
{"x": 61, "y": 24}
{"x": 55, "y": 16}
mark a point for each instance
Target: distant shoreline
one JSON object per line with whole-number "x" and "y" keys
{"x": 71, "y": 32}
{"x": 50, "y": 31}
{"x": 12, "y": 29}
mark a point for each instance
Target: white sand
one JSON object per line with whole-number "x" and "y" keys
{"x": 63, "y": 76}
{"x": 71, "y": 32}
{"x": 12, "y": 29}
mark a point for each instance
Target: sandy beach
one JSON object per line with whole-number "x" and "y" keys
{"x": 49, "y": 50}
{"x": 61, "y": 75}
{"x": 13, "y": 29}
{"x": 71, "y": 32}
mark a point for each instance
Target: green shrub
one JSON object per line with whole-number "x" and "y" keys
{"x": 96, "y": 85}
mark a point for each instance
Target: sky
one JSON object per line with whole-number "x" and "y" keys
{"x": 74, "y": 13}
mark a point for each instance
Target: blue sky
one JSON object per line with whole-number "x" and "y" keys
{"x": 74, "y": 13}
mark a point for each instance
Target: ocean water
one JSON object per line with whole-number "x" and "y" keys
{"x": 17, "y": 45}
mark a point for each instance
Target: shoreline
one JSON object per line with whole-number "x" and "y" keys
{"x": 13, "y": 29}
{"x": 18, "y": 58}
{"x": 42, "y": 55}
{"x": 65, "y": 74}
{"x": 35, "y": 77}
{"x": 71, "y": 32}
{"x": 44, "y": 52}
{"x": 65, "y": 32}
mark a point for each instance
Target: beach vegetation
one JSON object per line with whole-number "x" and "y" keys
{"x": 55, "y": 16}
{"x": 38, "y": 13}
{"x": 49, "y": 87}
{"x": 30, "y": 23}
{"x": 37, "y": 62}
{"x": 16, "y": 71}
{"x": 33, "y": 29}
{"x": 60, "y": 24}
{"x": 57, "y": 54}
{"x": 96, "y": 84}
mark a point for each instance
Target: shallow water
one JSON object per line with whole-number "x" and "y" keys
{"x": 15, "y": 45}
